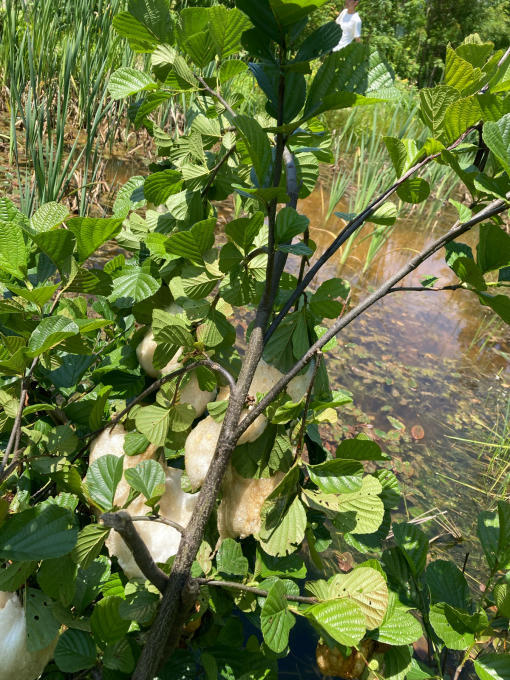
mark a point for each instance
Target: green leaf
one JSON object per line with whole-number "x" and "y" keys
{"x": 102, "y": 479}
{"x": 15, "y": 575}
{"x": 135, "y": 443}
{"x": 48, "y": 216}
{"x": 140, "y": 605}
{"x": 290, "y": 223}
{"x": 460, "y": 258}
{"x": 13, "y": 252}
{"x": 343, "y": 620}
{"x": 57, "y": 578}
{"x": 337, "y": 476}
{"x": 226, "y": 27}
{"x": 37, "y": 534}
{"x": 399, "y": 628}
{"x": 488, "y": 534}
{"x": 160, "y": 185}
{"x": 275, "y": 619}
{"x": 126, "y": 81}
{"x": 414, "y": 190}
{"x": 38, "y": 296}
{"x": 118, "y": 656}
{"x": 498, "y": 303}
{"x": 433, "y": 105}
{"x": 42, "y": 626}
{"x": 397, "y": 662}
{"x": 230, "y": 559}
{"x": 365, "y": 586}
{"x": 414, "y": 544}
{"x": 288, "y": 12}
{"x": 504, "y": 535}
{"x": 51, "y": 332}
{"x": 493, "y": 667}
{"x": 90, "y": 543}
{"x": 324, "y": 302}
{"x": 133, "y": 287}
{"x": 193, "y": 244}
{"x": 455, "y": 627}
{"x": 148, "y": 478}
{"x": 461, "y": 75}
{"x": 493, "y": 250}
{"x": 320, "y": 42}
{"x": 244, "y": 230}
{"x": 153, "y": 422}
{"x": 257, "y": 143}
{"x": 398, "y": 153}
{"x": 385, "y": 215}
{"x": 92, "y": 232}
{"x": 447, "y": 584}
{"x": 75, "y": 651}
{"x": 106, "y": 623}
{"x": 360, "y": 448}
{"x": 365, "y": 507}
{"x": 139, "y": 37}
{"x": 58, "y": 245}
{"x": 155, "y": 16}
{"x": 496, "y": 135}
{"x": 283, "y": 529}
{"x": 502, "y": 599}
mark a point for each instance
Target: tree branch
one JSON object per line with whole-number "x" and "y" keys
{"x": 158, "y": 518}
{"x": 250, "y": 589}
{"x": 164, "y": 633}
{"x": 349, "y": 230}
{"x": 494, "y": 208}
{"x": 421, "y": 289}
{"x": 216, "y": 169}
{"x": 217, "y": 95}
{"x": 122, "y": 522}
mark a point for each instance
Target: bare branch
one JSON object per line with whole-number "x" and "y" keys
{"x": 158, "y": 518}
{"x": 216, "y": 95}
{"x": 250, "y": 589}
{"x": 421, "y": 289}
{"x": 122, "y": 522}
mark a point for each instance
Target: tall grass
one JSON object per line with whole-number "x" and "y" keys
{"x": 55, "y": 60}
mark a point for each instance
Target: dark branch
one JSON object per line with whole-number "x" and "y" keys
{"x": 250, "y": 589}
{"x": 158, "y": 518}
{"x": 424, "y": 289}
{"x": 122, "y": 522}
{"x": 216, "y": 169}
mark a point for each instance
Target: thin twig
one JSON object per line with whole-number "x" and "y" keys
{"x": 216, "y": 169}
{"x": 250, "y": 589}
{"x": 158, "y": 518}
{"x": 309, "y": 391}
{"x": 422, "y": 289}
{"x": 216, "y": 95}
{"x": 122, "y": 522}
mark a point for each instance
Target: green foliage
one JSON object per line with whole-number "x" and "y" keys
{"x": 73, "y": 361}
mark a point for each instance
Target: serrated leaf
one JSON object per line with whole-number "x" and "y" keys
{"x": 106, "y": 623}
{"x": 13, "y": 252}
{"x": 91, "y": 232}
{"x": 337, "y": 476}
{"x": 283, "y": 532}
{"x": 502, "y": 599}
{"x": 497, "y": 137}
{"x": 433, "y": 105}
{"x": 397, "y": 662}
{"x": 135, "y": 443}
{"x": 58, "y": 245}
{"x": 160, "y": 185}
{"x": 290, "y": 223}
{"x": 230, "y": 559}
{"x": 367, "y": 587}
{"x": 133, "y": 287}
{"x": 275, "y": 619}
{"x": 37, "y": 534}
{"x": 139, "y": 37}
{"x": 13, "y": 576}
{"x": 48, "y": 216}
{"x": 75, "y": 651}
{"x": 401, "y": 628}
{"x": 360, "y": 448}
{"x": 493, "y": 250}
{"x": 226, "y": 27}
{"x": 56, "y": 578}
{"x": 140, "y": 605}
{"x": 153, "y": 422}
{"x": 126, "y": 81}
{"x": 193, "y": 244}
{"x": 414, "y": 190}
{"x": 102, "y": 479}
{"x": 451, "y": 626}
{"x": 343, "y": 620}
{"x": 148, "y": 478}
{"x": 89, "y": 544}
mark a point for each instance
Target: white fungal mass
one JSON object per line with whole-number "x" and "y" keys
{"x": 191, "y": 392}
{"x": 239, "y": 511}
{"x": 16, "y": 662}
{"x": 176, "y": 505}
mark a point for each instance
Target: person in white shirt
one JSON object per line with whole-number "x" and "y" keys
{"x": 350, "y": 23}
